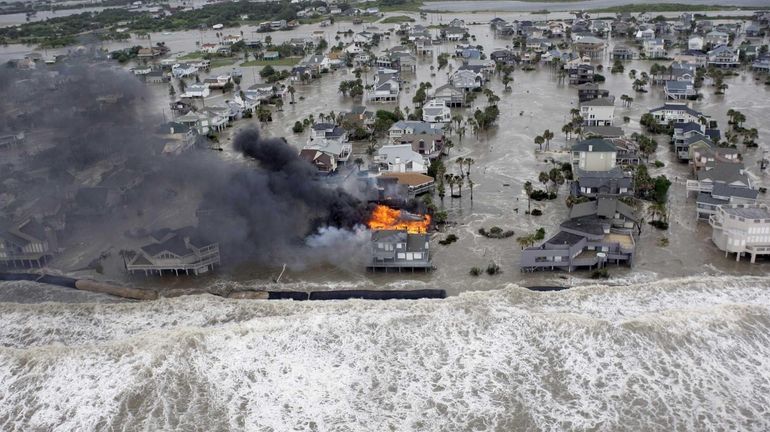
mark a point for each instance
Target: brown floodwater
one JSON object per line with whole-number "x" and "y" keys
{"x": 505, "y": 157}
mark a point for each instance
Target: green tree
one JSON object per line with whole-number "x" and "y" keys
{"x": 547, "y": 136}
{"x": 528, "y": 189}
{"x": 539, "y": 140}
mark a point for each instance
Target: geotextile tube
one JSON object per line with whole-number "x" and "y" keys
{"x": 131, "y": 293}
{"x": 148, "y": 294}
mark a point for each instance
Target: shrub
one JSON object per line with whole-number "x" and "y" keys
{"x": 451, "y": 238}
{"x": 540, "y": 195}
{"x": 659, "y": 164}
{"x": 440, "y": 217}
{"x": 663, "y": 242}
{"x": 496, "y": 232}
{"x": 298, "y": 127}
{"x": 600, "y": 274}
{"x": 475, "y": 271}
{"x": 540, "y": 234}
{"x": 537, "y": 212}
{"x": 493, "y": 269}
{"x": 659, "y": 225}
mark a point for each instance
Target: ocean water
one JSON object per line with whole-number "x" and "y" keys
{"x": 678, "y": 354}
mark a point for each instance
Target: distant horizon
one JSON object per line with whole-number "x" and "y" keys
{"x": 562, "y": 5}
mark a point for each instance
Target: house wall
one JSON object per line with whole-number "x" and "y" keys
{"x": 594, "y": 161}
{"x": 598, "y": 115}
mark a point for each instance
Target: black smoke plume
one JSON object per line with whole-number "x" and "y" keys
{"x": 88, "y": 124}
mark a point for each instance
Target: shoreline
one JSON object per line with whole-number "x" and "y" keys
{"x": 145, "y": 294}
{"x": 131, "y": 293}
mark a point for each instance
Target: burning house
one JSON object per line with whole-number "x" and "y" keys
{"x": 400, "y": 240}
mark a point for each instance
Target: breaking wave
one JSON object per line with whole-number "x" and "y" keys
{"x": 677, "y": 354}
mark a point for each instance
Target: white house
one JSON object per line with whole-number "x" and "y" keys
{"x": 181, "y": 70}
{"x": 598, "y": 112}
{"x": 645, "y": 34}
{"x": 196, "y": 91}
{"x": 723, "y": 57}
{"x": 209, "y": 48}
{"x": 595, "y": 154}
{"x": 386, "y": 88}
{"x": 400, "y": 158}
{"x": 742, "y": 229}
{"x": 695, "y": 43}
{"x": 467, "y": 80}
{"x": 654, "y": 48}
{"x": 675, "y": 112}
{"x": 403, "y": 127}
{"x": 716, "y": 37}
{"x": 436, "y": 111}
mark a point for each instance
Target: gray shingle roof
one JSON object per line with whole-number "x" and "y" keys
{"x": 594, "y": 145}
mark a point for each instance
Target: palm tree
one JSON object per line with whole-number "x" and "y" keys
{"x": 525, "y": 241}
{"x": 528, "y": 189}
{"x": 291, "y": 91}
{"x": 461, "y": 133}
{"x": 543, "y": 178}
{"x": 457, "y": 119}
{"x": 359, "y": 163}
{"x": 470, "y": 186}
{"x": 460, "y": 161}
{"x": 507, "y": 80}
{"x": 450, "y": 180}
{"x": 547, "y": 136}
{"x": 539, "y": 141}
{"x": 468, "y": 163}
{"x": 567, "y": 129}
{"x": 459, "y": 180}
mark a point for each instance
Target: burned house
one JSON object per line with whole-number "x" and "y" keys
{"x": 181, "y": 250}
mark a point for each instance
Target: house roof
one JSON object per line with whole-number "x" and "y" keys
{"x": 605, "y": 207}
{"x": 678, "y": 85}
{"x": 602, "y": 101}
{"x": 594, "y": 145}
{"x": 725, "y": 190}
{"x": 748, "y": 212}
{"x": 563, "y": 238}
{"x": 403, "y": 152}
{"x": 724, "y": 172}
{"x": 677, "y": 107}
{"x": 603, "y": 131}
{"x": 389, "y": 236}
{"x": 418, "y": 127}
{"x": 591, "y": 225}
{"x": 687, "y": 127}
{"x": 409, "y": 179}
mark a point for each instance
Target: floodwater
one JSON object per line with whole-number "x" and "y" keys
{"x": 673, "y": 354}
{"x": 527, "y": 6}
{"x": 505, "y": 157}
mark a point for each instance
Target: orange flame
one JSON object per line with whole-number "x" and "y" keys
{"x": 386, "y": 218}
